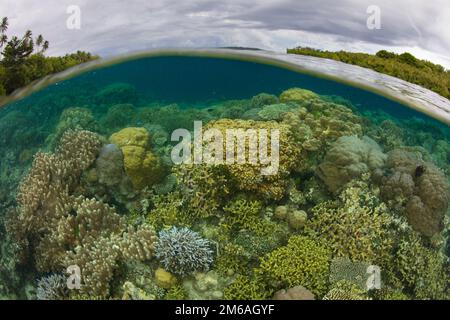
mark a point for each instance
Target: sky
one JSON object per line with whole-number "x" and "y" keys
{"x": 110, "y": 27}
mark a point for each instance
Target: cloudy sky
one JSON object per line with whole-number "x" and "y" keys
{"x": 110, "y": 27}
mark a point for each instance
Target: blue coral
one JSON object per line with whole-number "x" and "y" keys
{"x": 183, "y": 251}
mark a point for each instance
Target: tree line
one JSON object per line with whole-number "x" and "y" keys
{"x": 404, "y": 66}
{"x": 23, "y": 60}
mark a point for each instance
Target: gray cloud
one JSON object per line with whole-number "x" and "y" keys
{"x": 115, "y": 26}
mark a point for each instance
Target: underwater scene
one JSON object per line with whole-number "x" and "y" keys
{"x": 196, "y": 178}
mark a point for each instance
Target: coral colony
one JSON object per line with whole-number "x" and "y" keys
{"x": 94, "y": 185}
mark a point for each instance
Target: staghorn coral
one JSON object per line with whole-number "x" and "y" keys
{"x": 182, "y": 251}
{"x": 349, "y": 158}
{"x": 419, "y": 188}
{"x": 358, "y": 225}
{"x": 142, "y": 166}
{"x": 303, "y": 261}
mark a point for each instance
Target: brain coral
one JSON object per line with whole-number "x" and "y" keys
{"x": 303, "y": 261}
{"x": 420, "y": 187}
{"x": 142, "y": 166}
{"x": 349, "y": 158}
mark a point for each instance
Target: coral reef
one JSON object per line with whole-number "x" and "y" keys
{"x": 116, "y": 93}
{"x": 142, "y": 166}
{"x": 419, "y": 188}
{"x": 302, "y": 262}
{"x": 183, "y": 251}
{"x": 72, "y": 230}
{"x": 358, "y": 225}
{"x": 345, "y": 290}
{"x": 297, "y": 95}
{"x": 52, "y": 287}
{"x": 245, "y": 288}
{"x": 295, "y": 293}
{"x": 349, "y": 158}
{"x": 247, "y": 177}
{"x": 205, "y": 286}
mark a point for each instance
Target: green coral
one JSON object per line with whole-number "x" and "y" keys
{"x": 142, "y": 166}
{"x": 177, "y": 292}
{"x": 422, "y": 270}
{"x": 246, "y": 288}
{"x": 345, "y": 290}
{"x": 357, "y": 225}
{"x": 303, "y": 261}
{"x": 247, "y": 177}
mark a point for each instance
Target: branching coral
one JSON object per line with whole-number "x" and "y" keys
{"x": 303, "y": 261}
{"x": 73, "y": 119}
{"x": 247, "y": 176}
{"x": 246, "y": 288}
{"x": 182, "y": 251}
{"x": 419, "y": 187}
{"x": 422, "y": 270}
{"x": 358, "y": 225}
{"x": 65, "y": 229}
{"x": 349, "y": 158}
{"x": 52, "y": 287}
{"x": 203, "y": 189}
{"x": 345, "y": 290}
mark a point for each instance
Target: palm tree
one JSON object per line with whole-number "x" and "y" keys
{"x": 39, "y": 40}
{"x": 45, "y": 46}
{"x": 3, "y": 40}
{"x": 4, "y": 25}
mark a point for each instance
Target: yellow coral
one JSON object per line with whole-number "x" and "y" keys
{"x": 142, "y": 166}
{"x": 297, "y": 95}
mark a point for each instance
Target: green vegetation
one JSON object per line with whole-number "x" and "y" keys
{"x": 22, "y": 60}
{"x": 404, "y": 66}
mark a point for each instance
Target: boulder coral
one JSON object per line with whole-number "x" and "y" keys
{"x": 419, "y": 187}
{"x": 142, "y": 166}
{"x": 297, "y": 95}
{"x": 349, "y": 158}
